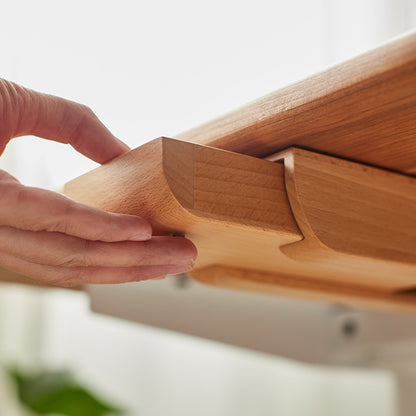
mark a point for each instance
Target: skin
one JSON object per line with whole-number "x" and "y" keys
{"x": 51, "y": 238}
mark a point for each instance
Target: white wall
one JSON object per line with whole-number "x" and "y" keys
{"x": 153, "y": 68}
{"x": 158, "y": 373}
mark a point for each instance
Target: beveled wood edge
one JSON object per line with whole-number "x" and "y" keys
{"x": 298, "y": 287}
{"x": 384, "y": 183}
{"x": 292, "y": 286}
{"x": 168, "y": 200}
{"x": 319, "y": 113}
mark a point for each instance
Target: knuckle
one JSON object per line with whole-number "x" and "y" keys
{"x": 69, "y": 261}
{"x": 78, "y": 256}
{"x": 62, "y": 221}
{"x": 11, "y": 190}
{"x": 23, "y": 194}
{"x": 87, "y": 111}
{"x": 146, "y": 253}
{"x": 68, "y": 213}
{"x": 70, "y": 278}
{"x": 6, "y": 178}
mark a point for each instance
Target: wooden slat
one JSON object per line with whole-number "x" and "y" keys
{"x": 305, "y": 288}
{"x": 232, "y": 206}
{"x": 363, "y": 109}
{"x": 348, "y": 209}
{"x": 243, "y": 213}
{"x": 358, "y": 225}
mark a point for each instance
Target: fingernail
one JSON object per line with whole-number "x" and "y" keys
{"x": 159, "y": 278}
{"x": 141, "y": 237}
{"x": 140, "y": 228}
{"x": 186, "y": 262}
{"x": 181, "y": 268}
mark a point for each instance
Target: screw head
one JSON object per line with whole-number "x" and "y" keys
{"x": 349, "y": 328}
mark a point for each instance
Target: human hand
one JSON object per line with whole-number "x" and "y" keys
{"x": 49, "y": 237}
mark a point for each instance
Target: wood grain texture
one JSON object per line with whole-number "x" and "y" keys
{"x": 352, "y": 210}
{"x": 363, "y": 109}
{"x": 299, "y": 287}
{"x": 335, "y": 230}
{"x": 228, "y": 204}
{"x": 355, "y": 219}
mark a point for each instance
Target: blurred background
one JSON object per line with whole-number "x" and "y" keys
{"x": 157, "y": 68}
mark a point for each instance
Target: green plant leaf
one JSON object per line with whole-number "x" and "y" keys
{"x": 57, "y": 393}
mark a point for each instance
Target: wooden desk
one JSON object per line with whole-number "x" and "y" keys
{"x": 329, "y": 214}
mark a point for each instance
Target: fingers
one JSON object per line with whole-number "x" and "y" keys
{"x": 58, "y": 249}
{"x": 76, "y": 276}
{"x": 36, "y": 209}
{"x": 27, "y": 112}
{"x": 49, "y": 237}
{"x": 75, "y": 124}
{"x": 52, "y": 238}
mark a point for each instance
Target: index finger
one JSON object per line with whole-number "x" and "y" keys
{"x": 75, "y": 124}
{"x": 32, "y": 113}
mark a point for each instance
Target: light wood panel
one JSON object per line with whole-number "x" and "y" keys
{"x": 346, "y": 210}
{"x": 243, "y": 214}
{"x": 354, "y": 218}
{"x": 300, "y": 287}
{"x": 228, "y": 204}
{"x": 363, "y": 109}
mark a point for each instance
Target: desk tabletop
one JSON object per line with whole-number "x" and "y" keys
{"x": 363, "y": 109}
